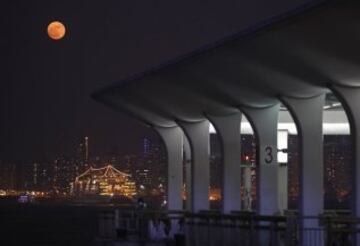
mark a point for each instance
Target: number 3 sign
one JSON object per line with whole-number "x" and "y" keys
{"x": 269, "y": 154}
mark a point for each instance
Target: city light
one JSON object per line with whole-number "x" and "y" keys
{"x": 105, "y": 181}
{"x": 3, "y": 193}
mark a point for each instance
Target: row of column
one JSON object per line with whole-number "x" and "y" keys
{"x": 350, "y": 97}
{"x": 307, "y": 114}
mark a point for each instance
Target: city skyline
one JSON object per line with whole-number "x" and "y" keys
{"x": 83, "y": 158}
{"x": 148, "y": 168}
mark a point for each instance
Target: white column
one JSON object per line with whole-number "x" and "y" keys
{"x": 198, "y": 136}
{"x": 283, "y": 168}
{"x": 350, "y": 97}
{"x": 308, "y": 116}
{"x": 246, "y": 172}
{"x": 187, "y": 159}
{"x": 264, "y": 122}
{"x": 173, "y": 140}
{"x": 228, "y": 130}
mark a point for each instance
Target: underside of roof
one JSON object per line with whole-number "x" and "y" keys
{"x": 298, "y": 55}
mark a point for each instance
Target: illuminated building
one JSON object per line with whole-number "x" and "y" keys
{"x": 8, "y": 176}
{"x": 337, "y": 173}
{"x": 35, "y": 177}
{"x": 293, "y": 175}
{"x": 150, "y": 168}
{"x": 146, "y": 146}
{"x": 105, "y": 181}
{"x": 64, "y": 172}
{"x": 82, "y": 154}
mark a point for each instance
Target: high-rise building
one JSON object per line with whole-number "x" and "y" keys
{"x": 8, "y": 175}
{"x": 146, "y": 146}
{"x": 82, "y": 154}
{"x": 215, "y": 162}
{"x": 65, "y": 170}
{"x": 293, "y": 172}
{"x": 337, "y": 171}
{"x": 151, "y": 167}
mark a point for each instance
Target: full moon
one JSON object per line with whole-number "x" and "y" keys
{"x": 56, "y": 30}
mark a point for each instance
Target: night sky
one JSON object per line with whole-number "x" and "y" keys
{"x": 46, "y": 85}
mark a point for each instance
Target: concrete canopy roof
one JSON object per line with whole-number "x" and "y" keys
{"x": 300, "y": 57}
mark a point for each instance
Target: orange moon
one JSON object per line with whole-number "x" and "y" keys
{"x": 56, "y": 30}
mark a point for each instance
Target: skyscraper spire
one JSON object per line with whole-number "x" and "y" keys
{"x": 86, "y": 148}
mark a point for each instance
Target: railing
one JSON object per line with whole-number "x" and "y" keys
{"x": 140, "y": 226}
{"x": 234, "y": 229}
{"x": 341, "y": 230}
{"x": 237, "y": 228}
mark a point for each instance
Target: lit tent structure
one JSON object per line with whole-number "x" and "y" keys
{"x": 105, "y": 181}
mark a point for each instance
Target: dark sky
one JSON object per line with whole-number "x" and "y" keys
{"x": 46, "y": 85}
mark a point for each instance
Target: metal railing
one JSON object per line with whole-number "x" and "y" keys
{"x": 234, "y": 229}
{"x": 341, "y": 231}
{"x": 140, "y": 226}
{"x": 238, "y": 228}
